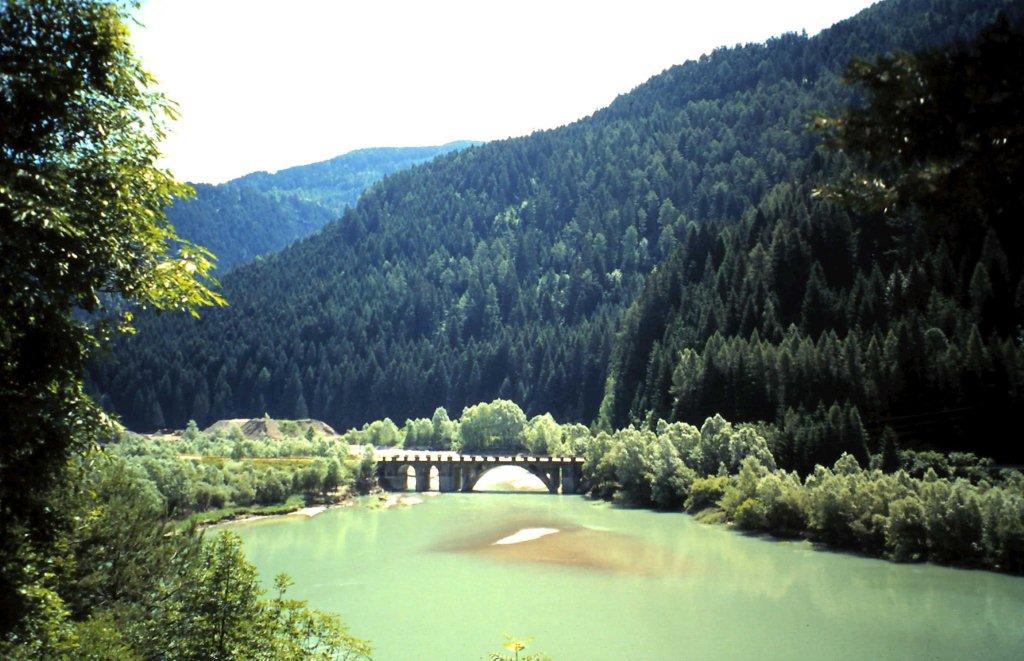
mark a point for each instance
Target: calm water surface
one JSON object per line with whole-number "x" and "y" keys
{"x": 428, "y": 582}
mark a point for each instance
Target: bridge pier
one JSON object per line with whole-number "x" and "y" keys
{"x": 389, "y": 476}
{"x": 447, "y": 477}
{"x": 554, "y": 477}
{"x": 422, "y": 476}
{"x": 469, "y": 475}
{"x": 570, "y": 478}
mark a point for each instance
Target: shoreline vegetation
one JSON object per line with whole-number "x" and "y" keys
{"x": 906, "y": 506}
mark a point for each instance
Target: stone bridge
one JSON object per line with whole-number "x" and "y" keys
{"x": 460, "y": 472}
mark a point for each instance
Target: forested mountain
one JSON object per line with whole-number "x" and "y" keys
{"x": 897, "y": 301}
{"x": 505, "y": 269}
{"x": 263, "y": 212}
{"x": 337, "y": 183}
{"x": 239, "y": 223}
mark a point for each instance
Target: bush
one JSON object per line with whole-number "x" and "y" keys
{"x": 670, "y": 478}
{"x": 1004, "y": 529}
{"x": 906, "y": 532}
{"x": 830, "y": 507}
{"x": 953, "y": 516}
{"x": 743, "y": 487}
{"x": 705, "y": 492}
{"x": 784, "y": 503}
{"x": 749, "y": 515}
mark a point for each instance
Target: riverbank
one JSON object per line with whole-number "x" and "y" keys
{"x": 294, "y": 506}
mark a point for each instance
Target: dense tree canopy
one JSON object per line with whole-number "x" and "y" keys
{"x": 502, "y": 271}
{"x": 894, "y": 302}
{"x": 123, "y": 583}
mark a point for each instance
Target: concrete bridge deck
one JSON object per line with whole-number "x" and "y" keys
{"x": 460, "y": 472}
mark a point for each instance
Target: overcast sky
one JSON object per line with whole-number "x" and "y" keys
{"x": 264, "y": 85}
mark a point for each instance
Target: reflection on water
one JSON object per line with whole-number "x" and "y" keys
{"x": 429, "y": 582}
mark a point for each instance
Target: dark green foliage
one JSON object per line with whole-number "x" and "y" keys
{"x": 839, "y": 321}
{"x": 954, "y": 465}
{"x": 939, "y": 140}
{"x": 501, "y": 271}
{"x": 890, "y": 460}
{"x": 903, "y": 347}
{"x": 262, "y": 212}
{"x": 238, "y": 223}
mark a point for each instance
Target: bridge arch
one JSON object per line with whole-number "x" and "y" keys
{"x": 538, "y": 480}
{"x": 401, "y": 477}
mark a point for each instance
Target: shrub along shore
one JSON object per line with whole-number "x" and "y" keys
{"x": 905, "y": 505}
{"x": 902, "y": 505}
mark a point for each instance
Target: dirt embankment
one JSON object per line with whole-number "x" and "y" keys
{"x": 259, "y": 427}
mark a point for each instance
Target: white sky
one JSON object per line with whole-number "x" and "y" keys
{"x": 263, "y": 85}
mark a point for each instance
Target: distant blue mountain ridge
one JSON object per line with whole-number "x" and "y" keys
{"x": 263, "y": 212}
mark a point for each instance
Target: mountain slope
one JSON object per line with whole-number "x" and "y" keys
{"x": 902, "y": 311}
{"x": 263, "y": 212}
{"x": 502, "y": 270}
{"x": 337, "y": 183}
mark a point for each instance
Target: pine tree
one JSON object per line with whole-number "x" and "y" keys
{"x": 890, "y": 451}
{"x": 980, "y": 290}
{"x": 815, "y": 312}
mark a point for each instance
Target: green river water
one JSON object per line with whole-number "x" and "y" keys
{"x": 428, "y": 582}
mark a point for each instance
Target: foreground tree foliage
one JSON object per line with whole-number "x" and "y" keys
{"x": 166, "y": 593}
{"x": 939, "y": 137}
{"x": 83, "y": 238}
{"x": 218, "y": 612}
